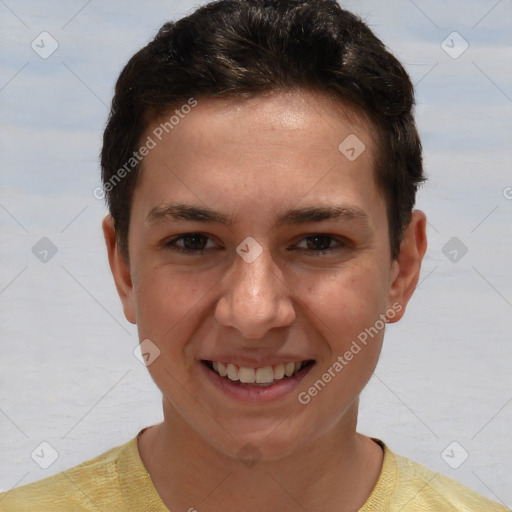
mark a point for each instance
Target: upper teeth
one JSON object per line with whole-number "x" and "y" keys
{"x": 264, "y": 375}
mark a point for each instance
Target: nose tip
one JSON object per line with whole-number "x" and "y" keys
{"x": 254, "y": 318}
{"x": 255, "y": 298}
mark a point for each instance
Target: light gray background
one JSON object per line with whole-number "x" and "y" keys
{"x": 67, "y": 369}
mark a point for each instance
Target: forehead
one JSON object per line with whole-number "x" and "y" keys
{"x": 270, "y": 113}
{"x": 282, "y": 146}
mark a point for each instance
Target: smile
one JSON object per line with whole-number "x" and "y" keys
{"x": 264, "y": 376}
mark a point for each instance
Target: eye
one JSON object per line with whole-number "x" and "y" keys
{"x": 196, "y": 243}
{"x": 321, "y": 243}
{"x": 191, "y": 243}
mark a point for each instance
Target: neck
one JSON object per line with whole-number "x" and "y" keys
{"x": 338, "y": 470}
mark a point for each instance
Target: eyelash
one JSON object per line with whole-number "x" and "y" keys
{"x": 171, "y": 244}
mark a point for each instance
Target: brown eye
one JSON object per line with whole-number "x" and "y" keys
{"x": 322, "y": 243}
{"x": 191, "y": 243}
{"x": 319, "y": 242}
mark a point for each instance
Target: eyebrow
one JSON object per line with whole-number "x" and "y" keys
{"x": 183, "y": 211}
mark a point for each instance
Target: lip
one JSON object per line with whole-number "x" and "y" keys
{"x": 253, "y": 392}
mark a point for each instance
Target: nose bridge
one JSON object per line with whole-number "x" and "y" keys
{"x": 254, "y": 298}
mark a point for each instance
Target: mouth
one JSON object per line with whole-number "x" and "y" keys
{"x": 265, "y": 376}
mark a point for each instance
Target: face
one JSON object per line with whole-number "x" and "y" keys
{"x": 256, "y": 243}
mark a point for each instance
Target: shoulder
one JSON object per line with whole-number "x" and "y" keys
{"x": 419, "y": 488}
{"x": 84, "y": 487}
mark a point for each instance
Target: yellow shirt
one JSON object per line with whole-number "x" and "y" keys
{"x": 118, "y": 481}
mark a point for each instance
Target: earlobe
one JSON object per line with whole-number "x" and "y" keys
{"x": 407, "y": 266}
{"x": 120, "y": 268}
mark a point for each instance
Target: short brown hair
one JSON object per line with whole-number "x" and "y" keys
{"x": 249, "y": 47}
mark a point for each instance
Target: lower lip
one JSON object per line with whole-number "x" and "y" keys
{"x": 253, "y": 392}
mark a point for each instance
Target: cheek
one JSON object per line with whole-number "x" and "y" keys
{"x": 347, "y": 314}
{"x": 348, "y": 309}
{"x": 169, "y": 313}
{"x": 166, "y": 300}
{"x": 345, "y": 303}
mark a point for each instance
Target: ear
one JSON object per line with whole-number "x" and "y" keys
{"x": 120, "y": 268}
{"x": 407, "y": 266}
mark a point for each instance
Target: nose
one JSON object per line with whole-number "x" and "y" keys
{"x": 255, "y": 298}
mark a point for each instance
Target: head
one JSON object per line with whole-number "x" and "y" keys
{"x": 281, "y": 123}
